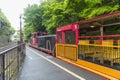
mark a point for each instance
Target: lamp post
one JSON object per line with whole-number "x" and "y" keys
{"x": 21, "y": 40}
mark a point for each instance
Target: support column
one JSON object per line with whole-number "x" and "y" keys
{"x": 63, "y": 37}
{"x": 101, "y": 34}
{"x": 77, "y": 33}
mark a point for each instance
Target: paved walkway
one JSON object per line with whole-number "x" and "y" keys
{"x": 40, "y": 66}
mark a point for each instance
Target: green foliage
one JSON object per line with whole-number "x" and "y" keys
{"x": 54, "y": 13}
{"x": 5, "y": 26}
{"x": 33, "y": 19}
{"x": 4, "y": 23}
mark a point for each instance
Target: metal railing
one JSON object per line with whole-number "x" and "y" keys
{"x": 11, "y": 61}
{"x": 100, "y": 52}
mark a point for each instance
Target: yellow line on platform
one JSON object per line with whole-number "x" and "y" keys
{"x": 65, "y": 69}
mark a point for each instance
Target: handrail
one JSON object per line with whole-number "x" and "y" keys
{"x": 104, "y": 36}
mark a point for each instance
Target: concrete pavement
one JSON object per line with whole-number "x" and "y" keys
{"x": 41, "y": 66}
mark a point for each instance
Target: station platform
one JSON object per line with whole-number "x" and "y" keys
{"x": 41, "y": 66}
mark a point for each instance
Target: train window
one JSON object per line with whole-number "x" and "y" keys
{"x": 60, "y": 38}
{"x": 110, "y": 30}
{"x": 90, "y": 31}
{"x": 70, "y": 37}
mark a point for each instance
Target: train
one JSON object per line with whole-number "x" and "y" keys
{"x": 90, "y": 44}
{"x": 43, "y": 42}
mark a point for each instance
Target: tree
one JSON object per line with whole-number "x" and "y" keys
{"x": 4, "y": 23}
{"x": 5, "y": 27}
{"x": 33, "y": 19}
{"x": 54, "y": 13}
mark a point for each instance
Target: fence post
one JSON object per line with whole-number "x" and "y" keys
{"x": 24, "y": 49}
{"x": 18, "y": 55}
{"x": 3, "y": 67}
{"x": 18, "y": 64}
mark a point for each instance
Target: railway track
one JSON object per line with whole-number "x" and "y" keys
{"x": 7, "y": 46}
